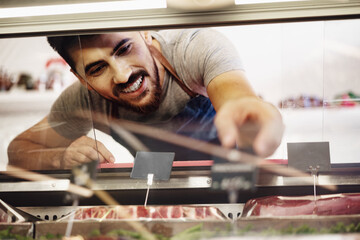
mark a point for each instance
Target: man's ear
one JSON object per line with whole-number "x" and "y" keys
{"x": 147, "y": 37}
{"x": 83, "y": 81}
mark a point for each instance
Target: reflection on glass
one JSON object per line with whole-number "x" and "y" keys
{"x": 42, "y": 146}
{"x": 146, "y": 78}
{"x": 180, "y": 80}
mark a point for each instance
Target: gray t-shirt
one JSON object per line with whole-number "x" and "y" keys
{"x": 197, "y": 55}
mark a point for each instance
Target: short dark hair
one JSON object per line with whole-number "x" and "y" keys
{"x": 62, "y": 44}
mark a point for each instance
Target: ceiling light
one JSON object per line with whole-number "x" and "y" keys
{"x": 199, "y": 5}
{"x": 239, "y": 2}
{"x": 81, "y": 8}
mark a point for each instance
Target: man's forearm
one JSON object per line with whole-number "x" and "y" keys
{"x": 33, "y": 156}
{"x": 229, "y": 86}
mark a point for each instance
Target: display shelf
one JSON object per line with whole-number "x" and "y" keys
{"x": 22, "y": 101}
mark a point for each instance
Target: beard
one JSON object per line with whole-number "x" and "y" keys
{"x": 155, "y": 96}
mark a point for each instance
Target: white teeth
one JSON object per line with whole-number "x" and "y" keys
{"x": 133, "y": 87}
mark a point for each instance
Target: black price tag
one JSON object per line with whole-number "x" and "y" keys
{"x": 233, "y": 176}
{"x": 157, "y": 163}
{"x": 303, "y": 155}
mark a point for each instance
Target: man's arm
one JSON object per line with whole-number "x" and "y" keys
{"x": 41, "y": 147}
{"x": 239, "y": 108}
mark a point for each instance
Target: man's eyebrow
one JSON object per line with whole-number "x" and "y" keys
{"x": 90, "y": 65}
{"x": 116, "y": 48}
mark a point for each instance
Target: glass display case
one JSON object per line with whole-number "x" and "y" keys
{"x": 302, "y": 57}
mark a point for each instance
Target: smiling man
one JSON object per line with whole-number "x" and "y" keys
{"x": 186, "y": 81}
{"x": 122, "y": 70}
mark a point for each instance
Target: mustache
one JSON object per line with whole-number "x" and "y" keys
{"x": 117, "y": 90}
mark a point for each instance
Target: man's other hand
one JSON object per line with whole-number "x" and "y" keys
{"x": 85, "y": 149}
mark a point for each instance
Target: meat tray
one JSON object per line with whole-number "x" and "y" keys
{"x": 249, "y": 226}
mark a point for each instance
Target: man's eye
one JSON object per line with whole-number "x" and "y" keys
{"x": 123, "y": 49}
{"x": 97, "y": 70}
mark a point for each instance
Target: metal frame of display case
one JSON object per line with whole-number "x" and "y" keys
{"x": 170, "y": 18}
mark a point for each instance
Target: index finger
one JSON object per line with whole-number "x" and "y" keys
{"x": 227, "y": 124}
{"x": 107, "y": 155}
{"x": 269, "y": 137}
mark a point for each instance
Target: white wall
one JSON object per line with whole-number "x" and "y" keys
{"x": 289, "y": 59}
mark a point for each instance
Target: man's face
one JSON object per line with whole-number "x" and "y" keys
{"x": 120, "y": 67}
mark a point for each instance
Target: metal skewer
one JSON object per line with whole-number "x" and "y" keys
{"x": 70, "y": 224}
{"x": 150, "y": 178}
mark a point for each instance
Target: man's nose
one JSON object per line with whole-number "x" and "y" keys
{"x": 121, "y": 72}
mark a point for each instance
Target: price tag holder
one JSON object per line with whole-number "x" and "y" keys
{"x": 157, "y": 163}
{"x": 80, "y": 174}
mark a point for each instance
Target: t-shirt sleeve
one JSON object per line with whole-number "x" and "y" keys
{"x": 205, "y": 54}
{"x": 70, "y": 114}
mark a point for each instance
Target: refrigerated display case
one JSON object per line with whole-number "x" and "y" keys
{"x": 301, "y": 56}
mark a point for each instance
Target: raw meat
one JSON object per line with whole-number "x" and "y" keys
{"x": 149, "y": 212}
{"x": 325, "y": 205}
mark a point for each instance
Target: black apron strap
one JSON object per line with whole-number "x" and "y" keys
{"x": 158, "y": 55}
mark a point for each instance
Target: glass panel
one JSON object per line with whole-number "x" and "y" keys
{"x": 302, "y": 82}
{"x": 342, "y": 89}
{"x": 309, "y": 70}
{"x": 129, "y": 81}
{"x": 261, "y": 50}
{"x": 306, "y": 69}
{"x": 36, "y": 76}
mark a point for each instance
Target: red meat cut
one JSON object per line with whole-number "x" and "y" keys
{"x": 325, "y": 205}
{"x": 149, "y": 212}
